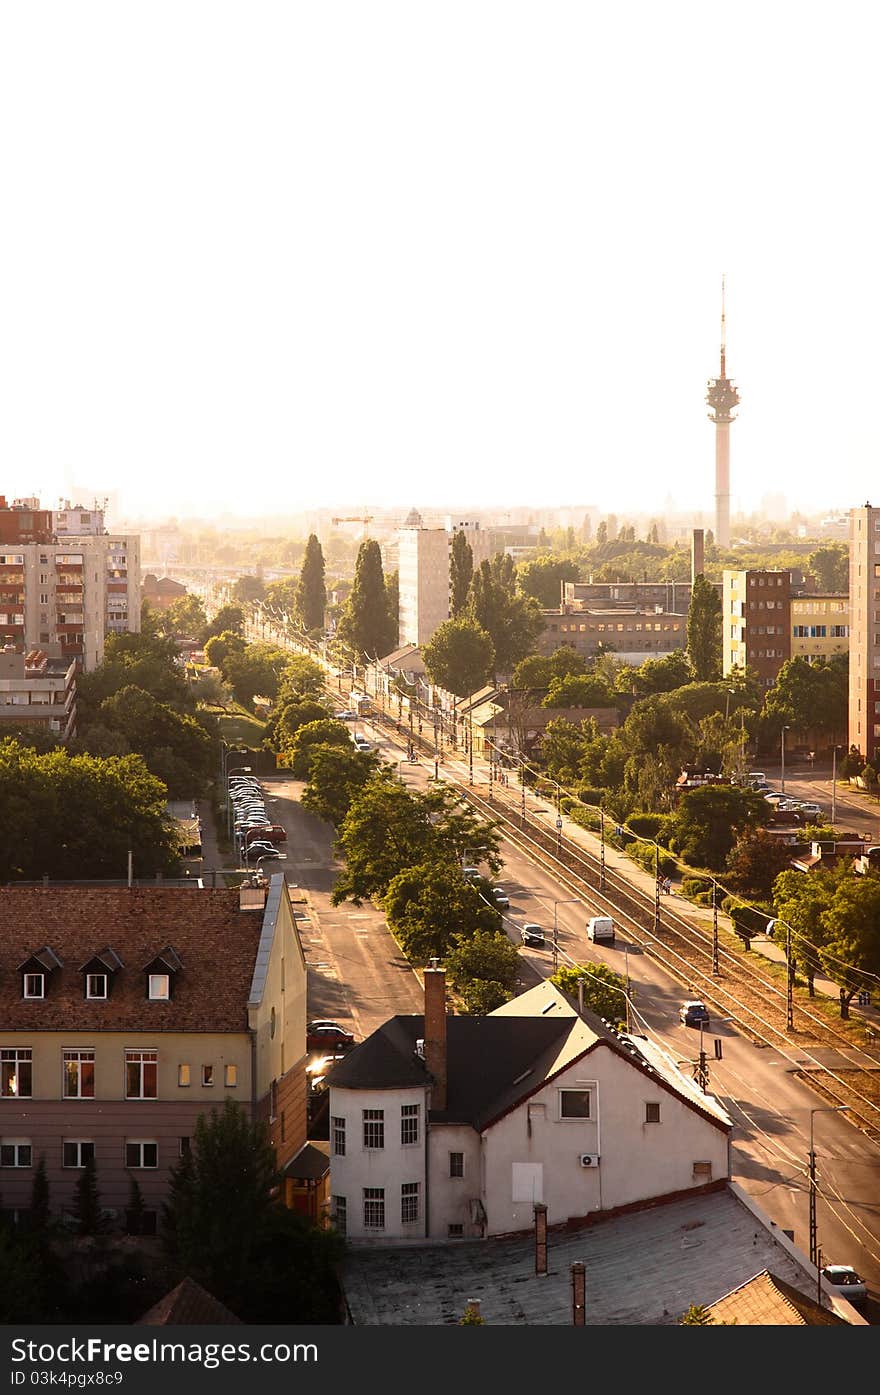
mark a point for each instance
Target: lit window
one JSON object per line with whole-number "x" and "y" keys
{"x": 79, "y": 1075}
{"x": 16, "y": 1067}
{"x": 35, "y": 985}
{"x": 231, "y": 1077}
{"x": 160, "y": 987}
{"x": 141, "y": 1075}
{"x": 183, "y": 1075}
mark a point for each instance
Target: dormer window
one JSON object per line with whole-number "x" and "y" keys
{"x": 160, "y": 974}
{"x": 98, "y": 974}
{"x": 36, "y": 973}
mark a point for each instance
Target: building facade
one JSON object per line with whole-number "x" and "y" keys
{"x": 423, "y": 575}
{"x": 819, "y": 626}
{"x": 125, "y": 1014}
{"x": 38, "y": 689}
{"x": 756, "y": 622}
{"x": 864, "y": 630}
{"x": 629, "y": 633}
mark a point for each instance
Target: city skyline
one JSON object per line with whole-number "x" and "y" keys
{"x": 421, "y": 258}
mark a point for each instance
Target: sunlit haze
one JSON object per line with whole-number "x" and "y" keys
{"x": 267, "y": 257}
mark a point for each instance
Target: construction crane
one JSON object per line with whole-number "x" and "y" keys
{"x": 365, "y": 520}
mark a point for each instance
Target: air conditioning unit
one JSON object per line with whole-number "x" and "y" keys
{"x": 589, "y": 1159}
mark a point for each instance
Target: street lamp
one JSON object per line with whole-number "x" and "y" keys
{"x": 731, "y": 692}
{"x": 782, "y": 750}
{"x": 820, "y": 1109}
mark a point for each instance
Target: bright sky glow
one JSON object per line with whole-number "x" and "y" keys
{"x": 268, "y": 256}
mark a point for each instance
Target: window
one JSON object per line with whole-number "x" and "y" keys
{"x": 184, "y": 1146}
{"x": 159, "y": 987}
{"x": 207, "y": 1075}
{"x": 79, "y": 1075}
{"x": 374, "y": 1208}
{"x": 16, "y": 1066}
{"x": 15, "y": 1152}
{"x": 141, "y": 1153}
{"x": 96, "y": 985}
{"x": 652, "y": 1112}
{"x": 409, "y": 1124}
{"x": 338, "y": 1136}
{"x": 141, "y": 1075}
{"x": 230, "y": 1077}
{"x": 340, "y": 1214}
{"x": 574, "y": 1104}
{"x": 374, "y": 1128}
{"x": 273, "y": 1099}
{"x": 76, "y": 1152}
{"x": 183, "y": 1075}
{"x": 409, "y": 1202}
{"x": 455, "y": 1232}
{"x": 34, "y": 986}
{"x": 456, "y": 1164}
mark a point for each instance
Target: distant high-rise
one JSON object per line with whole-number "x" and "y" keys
{"x": 864, "y": 632}
{"x": 722, "y": 397}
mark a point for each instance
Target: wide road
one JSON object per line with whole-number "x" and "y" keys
{"x": 770, "y": 1106}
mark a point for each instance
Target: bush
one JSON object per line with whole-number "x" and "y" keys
{"x": 696, "y": 886}
{"x": 592, "y": 794}
{"x": 644, "y": 855}
{"x": 566, "y": 804}
{"x": 646, "y": 825}
{"x": 586, "y": 818}
{"x": 747, "y": 920}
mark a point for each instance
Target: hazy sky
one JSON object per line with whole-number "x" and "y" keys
{"x": 289, "y": 254}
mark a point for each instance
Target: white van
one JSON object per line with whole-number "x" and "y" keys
{"x": 600, "y": 929}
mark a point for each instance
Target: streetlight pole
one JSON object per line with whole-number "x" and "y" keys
{"x": 558, "y": 821}
{"x": 601, "y": 847}
{"x": 833, "y": 785}
{"x": 782, "y": 772}
{"x": 715, "y": 968}
{"x": 821, "y": 1109}
{"x": 789, "y": 981}
{"x": 656, "y": 888}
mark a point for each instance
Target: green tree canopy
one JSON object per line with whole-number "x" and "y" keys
{"x": 542, "y": 579}
{"x": 228, "y": 617}
{"x": 483, "y": 969}
{"x": 366, "y": 626}
{"x": 327, "y": 731}
{"x": 287, "y": 719}
{"x": 385, "y": 830}
{"x": 663, "y": 674}
{"x": 175, "y": 745}
{"x": 801, "y": 902}
{"x": 704, "y": 630}
{"x": 430, "y": 904}
{"x": 851, "y": 952}
{"x": 755, "y": 861}
{"x": 336, "y": 774}
{"x": 221, "y": 647}
{"x": 248, "y": 589}
{"x": 579, "y": 690}
{"x": 708, "y": 821}
{"x": 539, "y": 671}
{"x": 512, "y": 622}
{"x": 461, "y": 570}
{"x": 255, "y": 670}
{"x": 185, "y": 616}
{"x": 603, "y": 989}
{"x": 459, "y": 656}
{"x": 311, "y": 593}
{"x": 829, "y": 565}
{"x": 301, "y": 678}
{"x": 809, "y": 695}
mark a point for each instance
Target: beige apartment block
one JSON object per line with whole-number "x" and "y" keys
{"x": 423, "y": 573}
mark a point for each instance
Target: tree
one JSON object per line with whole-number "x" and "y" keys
{"x": 579, "y": 690}
{"x": 512, "y": 622}
{"x": 221, "y": 647}
{"x": 255, "y": 670}
{"x": 392, "y": 596}
{"x": 286, "y": 721}
{"x": 385, "y": 829}
{"x": 800, "y": 902}
{"x": 483, "y": 969}
{"x": 809, "y": 696}
{"x": 459, "y": 832}
{"x": 38, "y": 1211}
{"x": 336, "y": 775}
{"x": 663, "y": 674}
{"x": 459, "y": 656}
{"x": 248, "y": 589}
{"x": 829, "y": 565}
{"x": 709, "y": 819}
{"x": 603, "y": 989}
{"x": 311, "y": 593}
{"x": 228, "y": 617}
{"x": 602, "y": 534}
{"x": 538, "y": 671}
{"x": 698, "y": 1316}
{"x": 461, "y": 570}
{"x": 430, "y": 906}
{"x": 174, "y": 745}
{"x": 755, "y": 861}
{"x": 185, "y": 616}
{"x": 134, "y": 1215}
{"x": 365, "y": 625}
{"x": 543, "y": 578}
{"x": 704, "y": 630}
{"x": 87, "y": 1202}
{"x": 324, "y": 732}
{"x": 267, "y": 1264}
{"x": 300, "y": 678}
{"x": 851, "y": 953}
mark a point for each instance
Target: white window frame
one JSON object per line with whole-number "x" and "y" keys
{"x": 337, "y": 1135}
{"x": 138, "y": 1056}
{"x": 374, "y": 1208}
{"x": 33, "y": 979}
{"x": 79, "y": 1056}
{"x": 153, "y": 981}
{"x": 410, "y": 1124}
{"x": 16, "y": 1056}
{"x": 92, "y": 979}
{"x": 373, "y": 1121}
{"x": 589, "y": 1091}
{"x": 17, "y": 1144}
{"x": 79, "y": 1144}
{"x": 410, "y": 1192}
{"x": 208, "y": 1077}
{"x": 141, "y": 1144}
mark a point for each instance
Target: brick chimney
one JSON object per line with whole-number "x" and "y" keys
{"x": 435, "y": 1031}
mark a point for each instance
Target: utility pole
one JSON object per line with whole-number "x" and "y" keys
{"x": 789, "y": 981}
{"x": 522, "y": 776}
{"x": 715, "y": 969}
{"x": 656, "y": 888}
{"x": 833, "y": 785}
{"x": 601, "y": 847}
{"x": 628, "y": 989}
{"x": 558, "y": 822}
{"x": 701, "y": 1075}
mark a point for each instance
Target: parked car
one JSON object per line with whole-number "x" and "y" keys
{"x": 532, "y": 934}
{"x": 471, "y": 874}
{"x": 362, "y": 744}
{"x": 843, "y": 1280}
{"x": 328, "y": 1036}
{"x": 255, "y": 851}
{"x": 501, "y": 898}
{"x": 270, "y": 832}
{"x": 694, "y": 1013}
{"x": 346, "y": 716}
{"x": 808, "y": 807}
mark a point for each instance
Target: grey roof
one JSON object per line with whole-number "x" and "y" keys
{"x": 644, "y": 1268}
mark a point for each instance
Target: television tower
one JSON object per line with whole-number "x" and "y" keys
{"x": 722, "y": 397}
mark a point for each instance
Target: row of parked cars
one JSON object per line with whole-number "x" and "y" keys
{"x": 807, "y": 808}
{"x": 256, "y": 835}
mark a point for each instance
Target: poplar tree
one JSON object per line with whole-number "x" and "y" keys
{"x": 461, "y": 569}
{"x": 311, "y": 593}
{"x": 366, "y": 625}
{"x": 704, "y": 631}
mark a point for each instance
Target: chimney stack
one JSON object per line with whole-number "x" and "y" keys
{"x": 697, "y": 562}
{"x": 435, "y": 1031}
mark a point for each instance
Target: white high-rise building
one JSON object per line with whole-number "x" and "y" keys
{"x": 423, "y": 571}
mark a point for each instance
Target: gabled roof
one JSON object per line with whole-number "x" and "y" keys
{"x": 187, "y": 1305}
{"x": 215, "y": 942}
{"x": 45, "y": 957}
{"x": 768, "y": 1301}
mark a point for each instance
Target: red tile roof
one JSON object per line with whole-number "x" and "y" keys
{"x": 215, "y": 942}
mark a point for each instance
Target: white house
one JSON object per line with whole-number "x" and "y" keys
{"x": 454, "y": 1127}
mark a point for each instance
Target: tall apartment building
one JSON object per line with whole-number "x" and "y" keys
{"x": 756, "y": 622}
{"x": 864, "y": 630}
{"x": 423, "y": 570}
{"x": 70, "y": 594}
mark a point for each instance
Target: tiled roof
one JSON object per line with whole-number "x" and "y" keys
{"x": 215, "y": 942}
{"x": 767, "y": 1301}
{"x": 187, "y": 1305}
